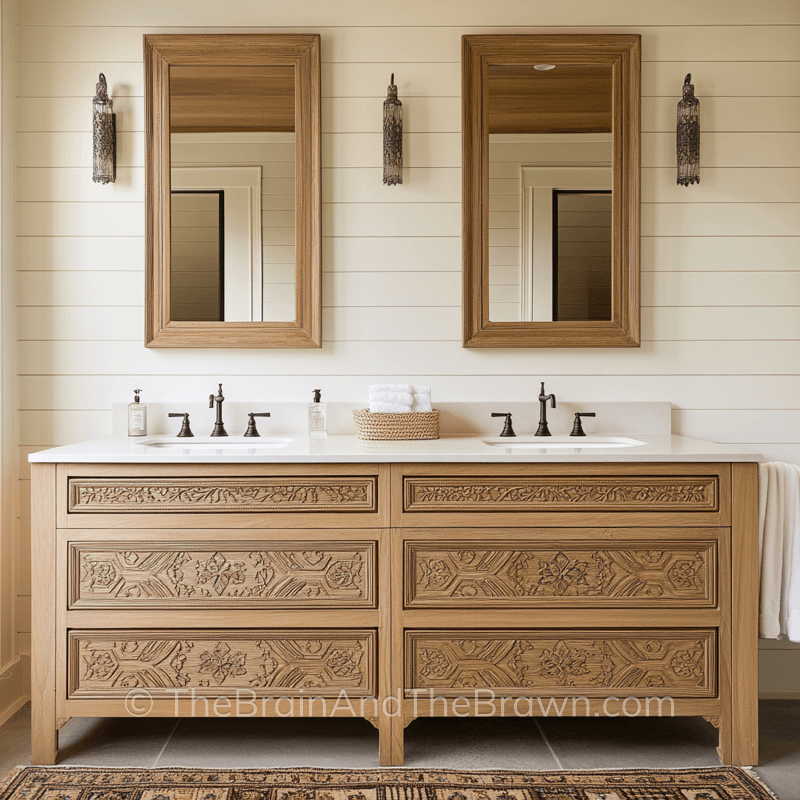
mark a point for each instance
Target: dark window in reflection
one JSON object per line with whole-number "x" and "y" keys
{"x": 581, "y": 255}
{"x": 197, "y": 259}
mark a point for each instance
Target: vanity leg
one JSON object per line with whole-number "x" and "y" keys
{"x": 44, "y": 726}
{"x": 398, "y": 735}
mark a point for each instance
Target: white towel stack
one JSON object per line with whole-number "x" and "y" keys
{"x": 399, "y": 398}
{"x": 779, "y": 549}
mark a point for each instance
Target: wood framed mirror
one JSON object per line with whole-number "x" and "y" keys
{"x": 551, "y": 190}
{"x": 233, "y": 201}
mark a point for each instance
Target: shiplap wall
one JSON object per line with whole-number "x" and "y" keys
{"x": 720, "y": 282}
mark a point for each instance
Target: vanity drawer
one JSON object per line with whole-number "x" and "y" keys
{"x": 590, "y": 663}
{"x": 109, "y": 663}
{"x": 187, "y": 573}
{"x": 229, "y": 495}
{"x": 569, "y": 495}
{"x": 616, "y": 568}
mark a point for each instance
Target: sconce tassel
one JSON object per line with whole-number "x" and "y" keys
{"x": 392, "y": 137}
{"x": 688, "y": 136}
{"x": 104, "y": 139}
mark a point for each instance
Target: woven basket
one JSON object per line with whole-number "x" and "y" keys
{"x": 395, "y": 427}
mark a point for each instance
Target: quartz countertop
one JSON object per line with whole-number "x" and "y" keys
{"x": 300, "y": 449}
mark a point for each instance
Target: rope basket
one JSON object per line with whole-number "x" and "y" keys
{"x": 395, "y": 427}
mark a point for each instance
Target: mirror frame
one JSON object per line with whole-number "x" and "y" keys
{"x": 623, "y": 52}
{"x": 301, "y": 51}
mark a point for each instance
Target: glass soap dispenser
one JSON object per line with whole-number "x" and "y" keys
{"x": 317, "y": 416}
{"x": 137, "y": 416}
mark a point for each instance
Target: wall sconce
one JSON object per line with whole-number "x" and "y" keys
{"x": 688, "y": 135}
{"x": 104, "y": 138}
{"x": 392, "y": 137}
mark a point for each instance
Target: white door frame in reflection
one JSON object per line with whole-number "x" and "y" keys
{"x": 244, "y": 284}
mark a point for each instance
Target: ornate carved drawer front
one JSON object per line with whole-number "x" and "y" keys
{"x": 108, "y": 664}
{"x": 674, "y": 663}
{"x": 227, "y": 495}
{"x": 490, "y": 494}
{"x": 235, "y": 574}
{"x": 518, "y": 574}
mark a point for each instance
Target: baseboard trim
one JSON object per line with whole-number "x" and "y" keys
{"x": 9, "y": 711}
{"x": 779, "y": 695}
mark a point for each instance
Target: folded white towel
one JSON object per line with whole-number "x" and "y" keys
{"x": 779, "y": 547}
{"x": 388, "y": 408}
{"x": 421, "y": 389}
{"x": 391, "y": 387}
{"x": 422, "y": 403}
{"x": 398, "y": 398}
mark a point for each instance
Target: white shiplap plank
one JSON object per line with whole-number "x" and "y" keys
{"x": 690, "y": 392}
{"x": 701, "y": 323}
{"x": 727, "y": 149}
{"x": 80, "y": 219}
{"x": 74, "y": 113}
{"x": 43, "y": 79}
{"x": 365, "y": 115}
{"x": 75, "y": 185}
{"x": 720, "y": 219}
{"x": 735, "y": 78}
{"x": 371, "y": 80}
{"x": 719, "y": 253}
{"x": 392, "y": 254}
{"x": 721, "y": 289}
{"x": 80, "y": 252}
{"x": 346, "y": 289}
{"x": 393, "y": 219}
{"x": 653, "y": 358}
{"x": 431, "y": 185}
{"x": 88, "y": 323}
{"x": 778, "y": 427}
{"x": 405, "y": 44}
{"x": 387, "y": 324}
{"x": 719, "y": 185}
{"x": 366, "y": 149}
{"x": 419, "y": 13}
{"x": 767, "y": 114}
{"x": 74, "y": 149}
{"x": 57, "y": 426}
{"x": 97, "y": 288}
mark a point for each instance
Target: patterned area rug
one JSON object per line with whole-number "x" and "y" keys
{"x": 87, "y": 783}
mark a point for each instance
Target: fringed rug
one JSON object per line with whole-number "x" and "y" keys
{"x": 87, "y": 783}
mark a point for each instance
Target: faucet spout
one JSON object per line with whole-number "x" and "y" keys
{"x": 219, "y": 425}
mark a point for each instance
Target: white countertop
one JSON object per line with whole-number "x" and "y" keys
{"x": 350, "y": 450}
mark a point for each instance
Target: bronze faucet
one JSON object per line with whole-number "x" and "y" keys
{"x": 219, "y": 425}
{"x": 543, "y": 430}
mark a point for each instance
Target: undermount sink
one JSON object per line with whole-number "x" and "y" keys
{"x": 218, "y": 443}
{"x": 563, "y": 442}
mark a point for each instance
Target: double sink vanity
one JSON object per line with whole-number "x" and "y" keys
{"x": 471, "y": 575}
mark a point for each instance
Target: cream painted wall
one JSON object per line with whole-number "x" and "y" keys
{"x": 720, "y": 276}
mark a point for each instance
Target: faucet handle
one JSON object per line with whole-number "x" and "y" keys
{"x": 186, "y": 431}
{"x": 508, "y": 430}
{"x": 577, "y": 428}
{"x": 251, "y": 422}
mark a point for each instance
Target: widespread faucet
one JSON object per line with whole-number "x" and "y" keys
{"x": 219, "y": 425}
{"x": 543, "y": 430}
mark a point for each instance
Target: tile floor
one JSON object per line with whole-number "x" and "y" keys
{"x": 457, "y": 743}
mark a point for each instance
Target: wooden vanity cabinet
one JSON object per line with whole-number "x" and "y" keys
{"x": 396, "y": 591}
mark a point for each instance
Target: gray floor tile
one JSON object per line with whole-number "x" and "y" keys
{"x": 488, "y": 743}
{"x": 15, "y": 741}
{"x": 582, "y": 743}
{"x": 779, "y": 746}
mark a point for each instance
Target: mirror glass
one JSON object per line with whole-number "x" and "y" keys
{"x": 550, "y": 192}
{"x": 232, "y": 193}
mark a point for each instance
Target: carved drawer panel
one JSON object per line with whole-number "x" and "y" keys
{"x": 490, "y": 494}
{"x": 228, "y": 495}
{"x": 235, "y": 574}
{"x": 674, "y": 663}
{"x": 571, "y": 573}
{"x": 108, "y": 664}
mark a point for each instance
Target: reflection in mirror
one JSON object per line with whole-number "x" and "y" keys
{"x": 550, "y": 192}
{"x": 232, "y": 137}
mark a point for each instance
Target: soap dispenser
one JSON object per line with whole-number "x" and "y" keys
{"x": 317, "y": 416}
{"x": 137, "y": 416}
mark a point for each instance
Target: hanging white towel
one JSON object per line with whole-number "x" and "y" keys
{"x": 779, "y": 548}
{"x": 398, "y": 398}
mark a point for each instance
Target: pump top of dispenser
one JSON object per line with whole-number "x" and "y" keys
{"x": 317, "y": 395}
{"x": 136, "y": 397}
